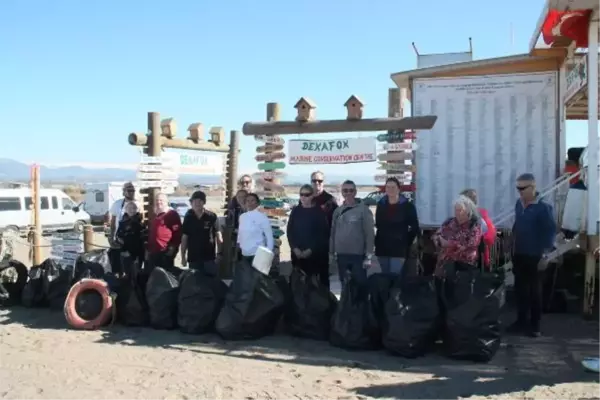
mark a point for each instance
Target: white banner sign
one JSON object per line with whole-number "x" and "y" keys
{"x": 196, "y": 163}
{"x": 490, "y": 129}
{"x": 332, "y": 151}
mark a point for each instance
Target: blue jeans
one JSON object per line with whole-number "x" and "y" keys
{"x": 351, "y": 265}
{"x": 391, "y": 265}
{"x": 209, "y": 268}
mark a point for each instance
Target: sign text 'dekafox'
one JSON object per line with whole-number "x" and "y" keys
{"x": 332, "y": 151}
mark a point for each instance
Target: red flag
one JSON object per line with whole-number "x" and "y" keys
{"x": 571, "y": 24}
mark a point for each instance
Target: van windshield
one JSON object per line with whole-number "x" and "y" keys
{"x": 67, "y": 204}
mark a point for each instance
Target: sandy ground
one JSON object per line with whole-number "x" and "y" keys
{"x": 41, "y": 358}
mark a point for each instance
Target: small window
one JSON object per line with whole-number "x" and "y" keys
{"x": 67, "y": 204}
{"x": 44, "y": 205}
{"x": 54, "y": 203}
{"x": 99, "y": 197}
{"x": 28, "y": 203}
{"x": 10, "y": 204}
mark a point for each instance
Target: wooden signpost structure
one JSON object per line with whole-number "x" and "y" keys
{"x": 305, "y": 123}
{"x": 161, "y": 135}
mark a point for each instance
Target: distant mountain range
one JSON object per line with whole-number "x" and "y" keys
{"x": 15, "y": 171}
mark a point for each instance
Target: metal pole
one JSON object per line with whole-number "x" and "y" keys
{"x": 232, "y": 164}
{"x": 593, "y": 146}
{"x": 37, "y": 223}
{"x": 592, "y": 169}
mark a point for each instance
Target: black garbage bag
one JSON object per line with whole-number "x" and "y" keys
{"x": 92, "y": 265}
{"x": 12, "y": 282}
{"x": 412, "y": 317}
{"x": 200, "y": 300}
{"x": 162, "y": 290}
{"x": 89, "y": 264}
{"x": 253, "y": 305}
{"x": 33, "y": 292}
{"x": 309, "y": 312}
{"x": 379, "y": 286}
{"x": 472, "y": 303}
{"x": 132, "y": 308}
{"x": 351, "y": 326}
{"x": 57, "y": 281}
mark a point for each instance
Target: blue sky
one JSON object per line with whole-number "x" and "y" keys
{"x": 77, "y": 76}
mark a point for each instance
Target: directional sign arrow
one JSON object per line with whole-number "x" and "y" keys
{"x": 401, "y": 156}
{"x": 269, "y": 147}
{"x": 270, "y": 157}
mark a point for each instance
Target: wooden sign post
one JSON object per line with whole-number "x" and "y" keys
{"x": 161, "y": 135}
{"x": 306, "y": 123}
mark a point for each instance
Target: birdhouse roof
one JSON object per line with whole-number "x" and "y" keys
{"x": 195, "y": 125}
{"x": 354, "y": 98}
{"x": 166, "y": 121}
{"x": 306, "y": 100}
{"x": 215, "y": 130}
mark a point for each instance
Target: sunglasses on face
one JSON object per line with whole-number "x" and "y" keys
{"x": 130, "y": 190}
{"x": 347, "y": 190}
{"x": 246, "y": 182}
{"x": 521, "y": 188}
{"x": 317, "y": 181}
{"x": 305, "y": 194}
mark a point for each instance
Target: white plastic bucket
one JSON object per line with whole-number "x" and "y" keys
{"x": 263, "y": 260}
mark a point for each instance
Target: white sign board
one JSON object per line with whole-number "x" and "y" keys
{"x": 576, "y": 78}
{"x": 489, "y": 130}
{"x": 332, "y": 151}
{"x": 196, "y": 163}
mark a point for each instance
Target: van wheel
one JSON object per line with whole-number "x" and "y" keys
{"x": 78, "y": 227}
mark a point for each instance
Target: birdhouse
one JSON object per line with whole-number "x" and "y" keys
{"x": 196, "y": 132}
{"x": 217, "y": 135}
{"x": 168, "y": 127}
{"x": 354, "y": 107}
{"x": 305, "y": 108}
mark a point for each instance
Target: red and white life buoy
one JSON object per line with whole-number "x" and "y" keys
{"x": 74, "y": 319}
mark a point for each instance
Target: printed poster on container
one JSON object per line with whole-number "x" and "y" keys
{"x": 332, "y": 151}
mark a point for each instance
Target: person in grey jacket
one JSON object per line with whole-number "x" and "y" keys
{"x": 352, "y": 236}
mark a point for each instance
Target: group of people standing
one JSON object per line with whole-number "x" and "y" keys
{"x": 322, "y": 233}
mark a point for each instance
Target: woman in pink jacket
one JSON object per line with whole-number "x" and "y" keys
{"x": 489, "y": 234}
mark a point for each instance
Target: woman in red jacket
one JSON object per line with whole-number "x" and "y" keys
{"x": 489, "y": 234}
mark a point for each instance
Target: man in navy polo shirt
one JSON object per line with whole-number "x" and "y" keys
{"x": 534, "y": 233}
{"x": 200, "y": 237}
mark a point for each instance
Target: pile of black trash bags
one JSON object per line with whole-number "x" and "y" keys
{"x": 47, "y": 284}
{"x": 406, "y": 316}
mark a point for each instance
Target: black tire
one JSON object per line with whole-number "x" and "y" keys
{"x": 79, "y": 226}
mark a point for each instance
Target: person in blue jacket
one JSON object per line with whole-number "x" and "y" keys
{"x": 534, "y": 233}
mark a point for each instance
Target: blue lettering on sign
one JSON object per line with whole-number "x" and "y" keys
{"x": 186, "y": 159}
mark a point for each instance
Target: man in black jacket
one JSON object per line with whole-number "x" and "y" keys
{"x": 322, "y": 198}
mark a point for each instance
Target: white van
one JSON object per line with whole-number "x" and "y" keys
{"x": 58, "y": 211}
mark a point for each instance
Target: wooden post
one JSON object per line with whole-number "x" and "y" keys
{"x": 88, "y": 238}
{"x": 273, "y": 115}
{"x": 232, "y": 165}
{"x": 154, "y": 150}
{"x": 229, "y": 249}
{"x": 37, "y": 222}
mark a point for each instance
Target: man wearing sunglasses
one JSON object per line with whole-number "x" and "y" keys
{"x": 322, "y": 198}
{"x": 534, "y": 232}
{"x": 352, "y": 236}
{"x": 117, "y": 211}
